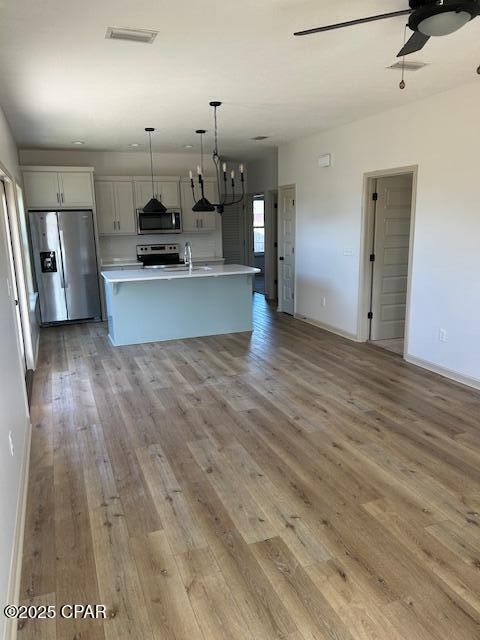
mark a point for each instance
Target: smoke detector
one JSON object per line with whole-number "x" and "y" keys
{"x": 133, "y": 35}
{"x": 408, "y": 65}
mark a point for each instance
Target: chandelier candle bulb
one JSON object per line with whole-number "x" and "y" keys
{"x": 190, "y": 175}
{"x": 241, "y": 168}
{"x": 224, "y": 167}
{"x": 232, "y": 174}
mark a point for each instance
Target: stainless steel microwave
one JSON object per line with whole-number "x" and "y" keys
{"x": 154, "y": 223}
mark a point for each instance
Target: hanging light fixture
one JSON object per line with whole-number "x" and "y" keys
{"x": 153, "y": 205}
{"x": 203, "y": 204}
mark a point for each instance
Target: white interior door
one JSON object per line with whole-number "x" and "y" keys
{"x": 391, "y": 251}
{"x": 286, "y": 249}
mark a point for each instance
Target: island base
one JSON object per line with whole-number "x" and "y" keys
{"x": 158, "y": 310}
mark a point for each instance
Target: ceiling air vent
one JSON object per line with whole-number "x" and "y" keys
{"x": 260, "y": 138}
{"x": 133, "y": 35}
{"x": 408, "y": 66}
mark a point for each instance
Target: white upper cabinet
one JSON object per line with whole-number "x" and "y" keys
{"x": 106, "y": 216}
{"x": 198, "y": 222}
{"x": 125, "y": 207}
{"x": 41, "y": 188}
{"x": 115, "y": 207}
{"x": 58, "y": 189}
{"x": 76, "y": 189}
{"x": 167, "y": 191}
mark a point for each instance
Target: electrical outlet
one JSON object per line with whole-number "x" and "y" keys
{"x": 348, "y": 252}
{"x": 323, "y": 301}
{"x": 10, "y": 442}
{"x": 442, "y": 335}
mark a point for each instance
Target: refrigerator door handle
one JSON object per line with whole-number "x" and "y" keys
{"x": 64, "y": 284}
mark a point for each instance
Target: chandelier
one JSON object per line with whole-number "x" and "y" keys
{"x": 202, "y": 204}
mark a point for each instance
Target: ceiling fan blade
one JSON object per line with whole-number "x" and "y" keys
{"x": 350, "y": 23}
{"x": 415, "y": 43}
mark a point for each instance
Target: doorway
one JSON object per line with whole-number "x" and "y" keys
{"x": 258, "y": 210}
{"x": 286, "y": 249}
{"x": 388, "y": 239}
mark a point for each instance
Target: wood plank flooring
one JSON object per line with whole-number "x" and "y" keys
{"x": 284, "y": 485}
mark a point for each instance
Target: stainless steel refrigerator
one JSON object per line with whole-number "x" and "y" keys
{"x": 65, "y": 265}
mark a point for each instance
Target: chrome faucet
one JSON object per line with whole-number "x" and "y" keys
{"x": 187, "y": 255}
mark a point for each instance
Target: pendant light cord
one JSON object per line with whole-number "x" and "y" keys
{"x": 151, "y": 162}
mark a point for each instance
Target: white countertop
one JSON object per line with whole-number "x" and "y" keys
{"x": 127, "y": 262}
{"x": 143, "y": 275}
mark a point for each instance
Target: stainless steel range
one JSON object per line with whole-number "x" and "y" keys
{"x": 158, "y": 256}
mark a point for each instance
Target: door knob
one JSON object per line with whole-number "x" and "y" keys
{"x": 281, "y": 258}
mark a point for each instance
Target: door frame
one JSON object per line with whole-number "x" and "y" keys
{"x": 271, "y": 244}
{"x": 22, "y": 322}
{"x": 281, "y": 189}
{"x": 365, "y": 282}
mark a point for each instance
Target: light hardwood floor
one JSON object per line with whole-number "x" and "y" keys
{"x": 285, "y": 485}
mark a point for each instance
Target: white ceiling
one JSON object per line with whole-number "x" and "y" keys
{"x": 62, "y": 81}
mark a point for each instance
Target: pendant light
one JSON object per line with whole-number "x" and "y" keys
{"x": 202, "y": 204}
{"x": 153, "y": 205}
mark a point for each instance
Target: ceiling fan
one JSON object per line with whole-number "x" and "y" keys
{"x": 427, "y": 18}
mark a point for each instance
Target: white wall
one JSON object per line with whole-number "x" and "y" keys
{"x": 108, "y": 163}
{"x": 13, "y": 408}
{"x": 263, "y": 173}
{"x": 442, "y": 136}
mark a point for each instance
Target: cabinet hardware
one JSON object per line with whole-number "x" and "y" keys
{"x": 62, "y": 197}
{"x": 58, "y": 198}
{"x": 118, "y": 223}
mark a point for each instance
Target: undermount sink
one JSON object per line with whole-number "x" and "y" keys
{"x": 185, "y": 269}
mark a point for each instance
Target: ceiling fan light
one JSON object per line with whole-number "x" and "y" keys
{"x": 441, "y": 24}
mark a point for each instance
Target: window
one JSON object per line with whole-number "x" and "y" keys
{"x": 259, "y": 224}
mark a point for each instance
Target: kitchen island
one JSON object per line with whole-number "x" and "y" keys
{"x": 170, "y": 303}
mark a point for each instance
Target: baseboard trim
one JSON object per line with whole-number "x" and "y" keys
{"x": 442, "y": 371}
{"x": 327, "y": 327}
{"x": 17, "y": 551}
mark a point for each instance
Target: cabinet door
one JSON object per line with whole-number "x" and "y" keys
{"x": 143, "y": 193}
{"x": 76, "y": 189}
{"x": 124, "y": 207}
{"x": 168, "y": 192}
{"x": 207, "y": 221}
{"x": 106, "y": 217}
{"x": 42, "y": 189}
{"x": 189, "y": 218}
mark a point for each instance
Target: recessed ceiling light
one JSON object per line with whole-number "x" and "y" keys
{"x": 188, "y": 146}
{"x": 260, "y": 138}
{"x": 78, "y": 142}
{"x": 133, "y": 35}
{"x": 134, "y": 144}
